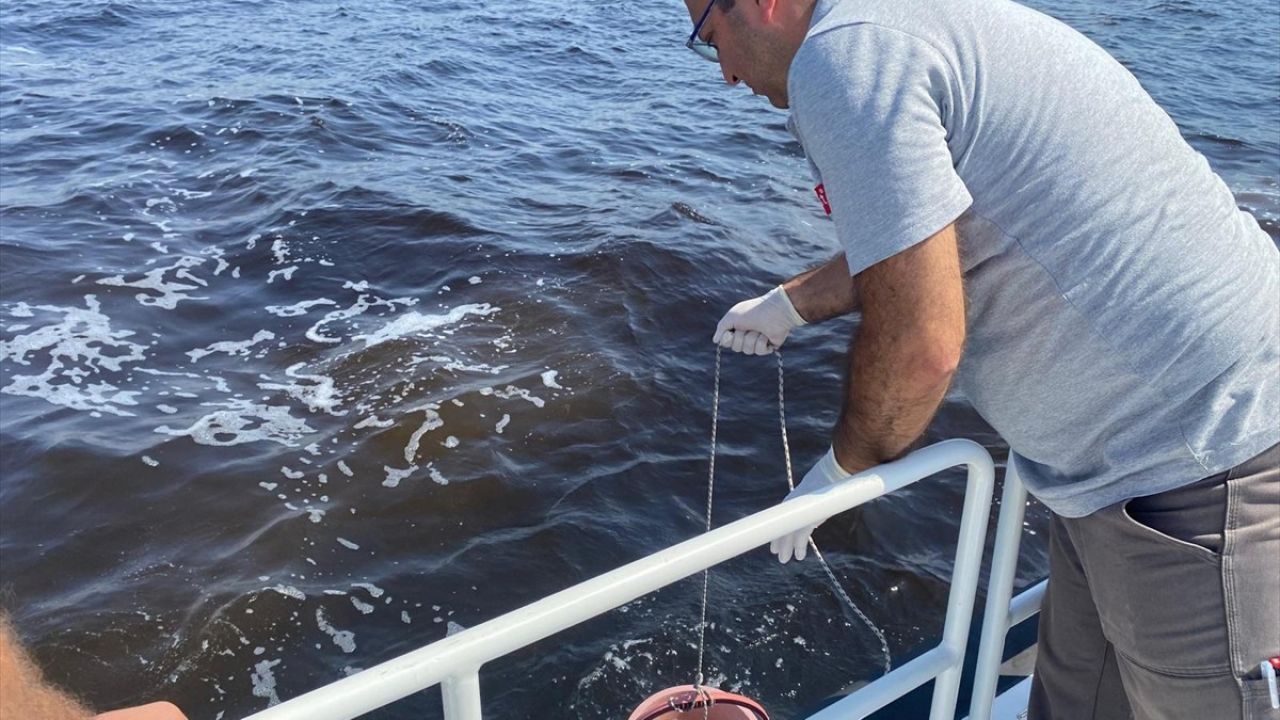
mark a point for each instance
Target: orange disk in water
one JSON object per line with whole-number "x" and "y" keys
{"x": 686, "y": 702}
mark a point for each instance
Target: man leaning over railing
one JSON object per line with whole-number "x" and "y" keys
{"x": 1020, "y": 218}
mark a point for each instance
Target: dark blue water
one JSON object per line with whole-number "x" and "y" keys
{"x": 326, "y": 326}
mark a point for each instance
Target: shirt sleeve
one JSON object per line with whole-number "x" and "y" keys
{"x": 869, "y": 104}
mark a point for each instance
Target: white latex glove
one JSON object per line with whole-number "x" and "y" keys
{"x": 760, "y": 325}
{"x": 823, "y": 475}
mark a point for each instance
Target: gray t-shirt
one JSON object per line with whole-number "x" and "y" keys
{"x": 1124, "y": 314}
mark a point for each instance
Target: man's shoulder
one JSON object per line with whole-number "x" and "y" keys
{"x": 851, "y": 57}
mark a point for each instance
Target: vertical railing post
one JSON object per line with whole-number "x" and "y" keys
{"x": 1004, "y": 565}
{"x": 964, "y": 584}
{"x": 461, "y": 695}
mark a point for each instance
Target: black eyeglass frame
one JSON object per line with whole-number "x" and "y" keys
{"x": 705, "y": 50}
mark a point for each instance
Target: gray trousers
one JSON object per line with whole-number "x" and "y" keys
{"x": 1164, "y": 606}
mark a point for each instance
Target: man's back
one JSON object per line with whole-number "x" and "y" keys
{"x": 1123, "y": 319}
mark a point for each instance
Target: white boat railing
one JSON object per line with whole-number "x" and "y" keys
{"x": 1000, "y": 613}
{"x": 454, "y": 663}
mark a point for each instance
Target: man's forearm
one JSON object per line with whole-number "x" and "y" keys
{"x": 23, "y": 691}
{"x": 886, "y": 409}
{"x": 905, "y": 353}
{"x": 823, "y": 292}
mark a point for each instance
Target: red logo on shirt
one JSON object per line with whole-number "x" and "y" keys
{"x": 821, "y": 190}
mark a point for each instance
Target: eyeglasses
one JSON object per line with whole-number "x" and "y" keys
{"x": 705, "y": 50}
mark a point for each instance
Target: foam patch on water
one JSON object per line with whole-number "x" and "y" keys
{"x": 81, "y": 346}
{"x": 432, "y": 422}
{"x": 264, "y": 681}
{"x": 289, "y": 591}
{"x": 362, "y": 304}
{"x": 373, "y": 421}
{"x": 395, "y": 475}
{"x": 170, "y": 292}
{"x": 286, "y": 273}
{"x": 412, "y": 323}
{"x": 320, "y": 395}
{"x": 243, "y": 422}
{"x": 436, "y": 477}
{"x": 232, "y": 348}
{"x": 344, "y": 639}
{"x": 452, "y": 365}
{"x": 297, "y": 309}
{"x": 512, "y": 391}
{"x": 373, "y": 590}
{"x": 549, "y": 379}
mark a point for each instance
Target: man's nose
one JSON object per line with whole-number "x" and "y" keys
{"x": 729, "y": 78}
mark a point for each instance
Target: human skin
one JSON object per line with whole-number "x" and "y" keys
{"x": 824, "y": 292}
{"x": 24, "y": 693}
{"x": 752, "y": 38}
{"x": 905, "y": 352}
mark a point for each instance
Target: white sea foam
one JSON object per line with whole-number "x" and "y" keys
{"x": 502, "y": 424}
{"x": 345, "y": 469}
{"x": 436, "y": 476}
{"x": 219, "y": 383}
{"x": 82, "y": 345}
{"x": 432, "y": 422}
{"x": 289, "y": 591}
{"x": 319, "y": 396}
{"x": 286, "y": 273}
{"x": 348, "y": 544}
{"x": 452, "y": 365}
{"x": 373, "y": 590}
{"x": 171, "y": 292}
{"x": 549, "y": 379}
{"x": 232, "y": 348}
{"x": 264, "y": 681}
{"x": 412, "y": 323}
{"x": 150, "y": 461}
{"x": 280, "y": 250}
{"x": 512, "y": 391}
{"x": 364, "y": 607}
{"x": 296, "y": 309}
{"x": 243, "y": 422}
{"x": 395, "y": 475}
{"x": 344, "y": 639}
{"x": 363, "y": 302}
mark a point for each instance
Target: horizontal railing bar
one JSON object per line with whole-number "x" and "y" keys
{"x": 886, "y": 689}
{"x": 1027, "y": 603}
{"x": 428, "y": 666}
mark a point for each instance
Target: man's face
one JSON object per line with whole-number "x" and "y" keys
{"x": 749, "y": 41}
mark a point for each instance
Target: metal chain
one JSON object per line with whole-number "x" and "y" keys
{"x": 711, "y": 479}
